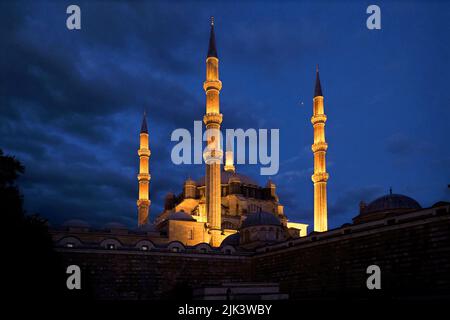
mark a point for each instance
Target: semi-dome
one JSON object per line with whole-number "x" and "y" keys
{"x": 225, "y": 176}
{"x": 392, "y": 202}
{"x": 231, "y": 240}
{"x": 260, "y": 218}
{"x": 180, "y": 216}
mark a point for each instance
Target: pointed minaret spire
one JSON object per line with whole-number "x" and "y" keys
{"x": 144, "y": 124}
{"x": 213, "y": 153}
{"x": 319, "y": 149}
{"x": 212, "y": 51}
{"x": 318, "y": 87}
{"x": 143, "y": 201}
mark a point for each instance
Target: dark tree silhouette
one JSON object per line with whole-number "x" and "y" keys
{"x": 32, "y": 268}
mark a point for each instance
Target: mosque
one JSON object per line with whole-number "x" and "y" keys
{"x": 224, "y": 201}
{"x": 226, "y": 237}
{"x": 225, "y": 207}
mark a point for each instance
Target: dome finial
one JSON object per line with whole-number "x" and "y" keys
{"x": 212, "y": 20}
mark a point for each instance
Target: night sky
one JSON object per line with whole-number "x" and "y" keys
{"x": 72, "y": 101}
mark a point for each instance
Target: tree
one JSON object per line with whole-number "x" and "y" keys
{"x": 33, "y": 269}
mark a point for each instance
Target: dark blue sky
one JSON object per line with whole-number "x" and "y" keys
{"x": 72, "y": 101}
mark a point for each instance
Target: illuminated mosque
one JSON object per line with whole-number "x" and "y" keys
{"x": 224, "y": 201}
{"x": 224, "y": 209}
{"x": 226, "y": 237}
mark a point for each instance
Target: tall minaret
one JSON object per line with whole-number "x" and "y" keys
{"x": 319, "y": 149}
{"x": 213, "y": 153}
{"x": 143, "y": 202}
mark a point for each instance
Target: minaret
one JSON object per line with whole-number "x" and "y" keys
{"x": 319, "y": 149}
{"x": 229, "y": 157}
{"x": 213, "y": 153}
{"x": 190, "y": 189}
{"x": 143, "y": 202}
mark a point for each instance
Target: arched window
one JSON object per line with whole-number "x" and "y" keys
{"x": 70, "y": 242}
{"x": 145, "y": 245}
{"x": 176, "y": 246}
{"x": 227, "y": 249}
{"x": 110, "y": 244}
{"x": 203, "y": 248}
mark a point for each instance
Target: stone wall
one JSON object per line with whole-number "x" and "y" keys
{"x": 414, "y": 258}
{"x": 114, "y": 274}
{"x": 413, "y": 252}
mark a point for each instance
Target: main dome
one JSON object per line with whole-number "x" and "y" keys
{"x": 392, "y": 202}
{"x": 260, "y": 218}
{"x": 225, "y": 176}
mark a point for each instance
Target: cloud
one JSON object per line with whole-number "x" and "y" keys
{"x": 348, "y": 200}
{"x": 71, "y": 102}
{"x": 403, "y": 145}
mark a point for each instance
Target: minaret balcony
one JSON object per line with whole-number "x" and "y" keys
{"x": 143, "y": 176}
{"x": 212, "y": 118}
{"x": 319, "y": 146}
{"x": 320, "y": 177}
{"x": 212, "y": 84}
{"x": 143, "y": 203}
{"x": 229, "y": 168}
{"x": 318, "y": 118}
{"x": 144, "y": 152}
{"x": 213, "y": 156}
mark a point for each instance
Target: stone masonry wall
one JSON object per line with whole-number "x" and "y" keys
{"x": 117, "y": 274}
{"x": 414, "y": 257}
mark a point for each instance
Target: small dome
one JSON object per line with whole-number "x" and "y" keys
{"x": 76, "y": 223}
{"x": 234, "y": 178}
{"x": 180, "y": 216}
{"x": 391, "y": 202}
{"x": 189, "y": 181}
{"x": 231, "y": 240}
{"x": 225, "y": 176}
{"x": 440, "y": 204}
{"x": 260, "y": 218}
